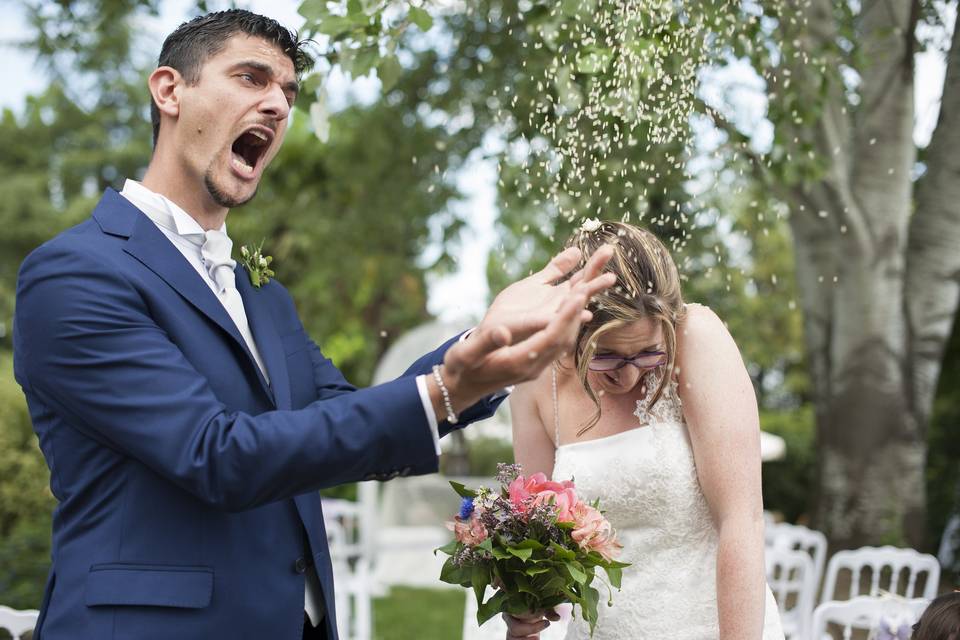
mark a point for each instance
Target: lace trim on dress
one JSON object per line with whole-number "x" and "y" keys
{"x": 667, "y": 409}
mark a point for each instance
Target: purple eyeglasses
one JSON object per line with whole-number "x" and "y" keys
{"x": 643, "y": 361}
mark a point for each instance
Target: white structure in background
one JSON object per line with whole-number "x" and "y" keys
{"x": 402, "y": 520}
{"x": 17, "y": 622}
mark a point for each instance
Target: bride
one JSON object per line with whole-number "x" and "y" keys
{"x": 656, "y": 416}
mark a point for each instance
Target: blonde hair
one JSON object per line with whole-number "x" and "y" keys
{"x": 647, "y": 286}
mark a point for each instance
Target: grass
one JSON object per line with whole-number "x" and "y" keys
{"x": 418, "y": 614}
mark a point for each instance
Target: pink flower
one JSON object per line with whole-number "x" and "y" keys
{"x": 593, "y": 532}
{"x": 565, "y": 501}
{"x": 524, "y": 491}
{"x": 470, "y": 532}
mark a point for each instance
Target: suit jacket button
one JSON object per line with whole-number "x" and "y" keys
{"x": 300, "y": 565}
{"x": 405, "y": 471}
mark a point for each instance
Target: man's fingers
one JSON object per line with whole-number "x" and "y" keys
{"x": 598, "y": 284}
{"x": 545, "y": 346}
{"x": 561, "y": 264}
{"x": 597, "y": 262}
{"x": 480, "y": 343}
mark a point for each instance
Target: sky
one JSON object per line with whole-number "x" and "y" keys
{"x": 462, "y": 295}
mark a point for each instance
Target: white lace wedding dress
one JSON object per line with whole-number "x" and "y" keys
{"x": 647, "y": 484}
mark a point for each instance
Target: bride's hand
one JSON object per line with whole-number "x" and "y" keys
{"x": 528, "y": 626}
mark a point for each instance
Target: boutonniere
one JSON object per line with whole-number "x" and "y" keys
{"x": 257, "y": 264}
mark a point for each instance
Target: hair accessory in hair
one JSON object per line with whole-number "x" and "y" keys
{"x": 590, "y": 224}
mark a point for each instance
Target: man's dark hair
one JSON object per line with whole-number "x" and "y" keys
{"x": 189, "y": 47}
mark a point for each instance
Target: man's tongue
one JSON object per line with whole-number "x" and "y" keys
{"x": 245, "y": 152}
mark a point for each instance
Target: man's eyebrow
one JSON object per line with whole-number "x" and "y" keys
{"x": 293, "y": 86}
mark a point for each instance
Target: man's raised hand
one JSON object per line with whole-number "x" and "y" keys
{"x": 530, "y": 324}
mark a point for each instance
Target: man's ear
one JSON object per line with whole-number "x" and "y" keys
{"x": 165, "y": 84}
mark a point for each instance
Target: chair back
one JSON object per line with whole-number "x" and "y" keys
{"x": 800, "y": 538}
{"x": 868, "y": 614}
{"x": 18, "y": 622}
{"x": 790, "y": 574}
{"x": 890, "y": 569}
{"x": 351, "y": 569}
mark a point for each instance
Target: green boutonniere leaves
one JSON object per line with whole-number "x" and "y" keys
{"x": 257, "y": 264}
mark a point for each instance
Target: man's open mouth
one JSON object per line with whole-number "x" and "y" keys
{"x": 249, "y": 147}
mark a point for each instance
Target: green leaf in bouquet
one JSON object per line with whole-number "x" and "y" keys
{"x": 450, "y": 548}
{"x": 462, "y": 490}
{"x": 499, "y": 554}
{"x": 588, "y": 606}
{"x": 479, "y": 578}
{"x": 615, "y": 574}
{"x": 452, "y": 574}
{"x": 486, "y": 545}
{"x": 535, "y": 570}
{"x": 562, "y": 553}
{"x": 523, "y": 554}
{"x": 522, "y": 585}
{"x": 576, "y": 572}
{"x": 490, "y": 608}
{"x": 530, "y": 543}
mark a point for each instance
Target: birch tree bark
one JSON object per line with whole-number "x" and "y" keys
{"x": 878, "y": 264}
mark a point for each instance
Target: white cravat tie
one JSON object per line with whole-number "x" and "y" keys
{"x": 215, "y": 248}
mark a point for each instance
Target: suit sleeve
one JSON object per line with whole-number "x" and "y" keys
{"x": 330, "y": 383}
{"x": 89, "y": 349}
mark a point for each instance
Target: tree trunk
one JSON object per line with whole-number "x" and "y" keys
{"x": 850, "y": 237}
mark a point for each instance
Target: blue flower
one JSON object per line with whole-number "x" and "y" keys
{"x": 466, "y": 508}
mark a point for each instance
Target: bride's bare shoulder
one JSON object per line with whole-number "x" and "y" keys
{"x": 698, "y": 321}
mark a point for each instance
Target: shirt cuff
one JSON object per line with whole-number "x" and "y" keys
{"x": 428, "y": 409}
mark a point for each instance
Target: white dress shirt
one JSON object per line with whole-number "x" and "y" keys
{"x": 182, "y": 230}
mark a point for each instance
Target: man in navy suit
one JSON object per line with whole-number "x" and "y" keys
{"x": 187, "y": 419}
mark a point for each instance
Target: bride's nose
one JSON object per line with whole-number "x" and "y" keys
{"x": 626, "y": 377}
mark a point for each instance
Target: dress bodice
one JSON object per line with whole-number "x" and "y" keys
{"x": 646, "y": 481}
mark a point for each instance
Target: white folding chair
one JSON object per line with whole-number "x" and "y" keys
{"x": 864, "y": 613}
{"x": 18, "y": 622}
{"x": 351, "y": 569}
{"x": 878, "y": 560}
{"x": 790, "y": 575}
{"x": 800, "y": 538}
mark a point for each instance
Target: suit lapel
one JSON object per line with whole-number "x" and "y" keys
{"x": 145, "y": 242}
{"x": 265, "y": 335}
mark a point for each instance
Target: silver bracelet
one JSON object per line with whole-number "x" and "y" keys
{"x": 451, "y": 416}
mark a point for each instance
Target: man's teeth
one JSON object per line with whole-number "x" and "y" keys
{"x": 240, "y": 163}
{"x": 258, "y": 134}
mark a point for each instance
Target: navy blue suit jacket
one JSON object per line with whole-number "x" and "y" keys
{"x": 187, "y": 485}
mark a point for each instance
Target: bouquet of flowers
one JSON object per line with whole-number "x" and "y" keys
{"x": 535, "y": 541}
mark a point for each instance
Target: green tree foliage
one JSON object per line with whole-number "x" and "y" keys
{"x": 346, "y": 221}
{"x": 26, "y": 503}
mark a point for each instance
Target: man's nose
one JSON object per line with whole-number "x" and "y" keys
{"x": 275, "y": 103}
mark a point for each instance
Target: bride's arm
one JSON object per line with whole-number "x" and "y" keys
{"x": 532, "y": 446}
{"x": 720, "y": 407}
